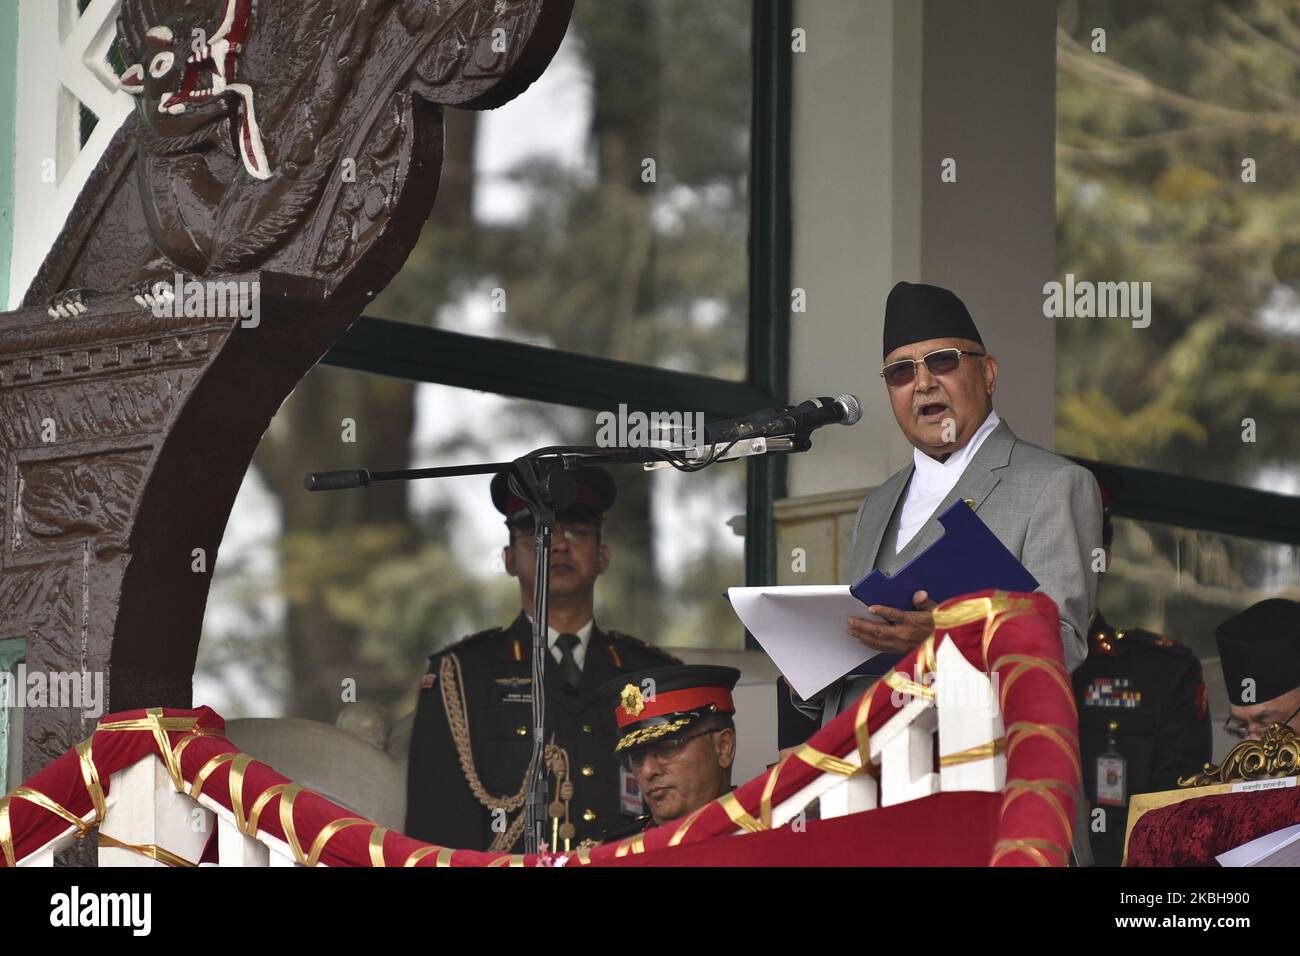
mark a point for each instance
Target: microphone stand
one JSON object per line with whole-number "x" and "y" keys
{"x": 541, "y": 478}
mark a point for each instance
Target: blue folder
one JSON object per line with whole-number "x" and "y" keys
{"x": 968, "y": 557}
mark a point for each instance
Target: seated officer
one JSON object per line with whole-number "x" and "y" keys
{"x": 1260, "y": 653}
{"x": 676, "y": 736}
{"x": 471, "y": 740}
{"x": 1143, "y": 720}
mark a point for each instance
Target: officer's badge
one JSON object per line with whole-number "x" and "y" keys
{"x": 514, "y": 690}
{"x": 1112, "y": 779}
{"x": 1112, "y": 692}
{"x": 630, "y": 799}
{"x": 632, "y": 699}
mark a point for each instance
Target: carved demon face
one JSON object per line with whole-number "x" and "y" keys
{"x": 184, "y": 65}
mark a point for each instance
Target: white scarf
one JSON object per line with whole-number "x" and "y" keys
{"x": 932, "y": 480}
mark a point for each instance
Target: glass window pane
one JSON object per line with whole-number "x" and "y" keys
{"x": 1173, "y": 174}
{"x": 605, "y": 211}
{"x": 315, "y": 588}
{"x": 1184, "y": 583}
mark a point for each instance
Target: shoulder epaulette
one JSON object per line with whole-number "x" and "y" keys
{"x": 460, "y": 644}
{"x": 643, "y": 645}
{"x": 1152, "y": 639}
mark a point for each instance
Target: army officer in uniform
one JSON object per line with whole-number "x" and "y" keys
{"x": 1143, "y": 719}
{"x": 677, "y": 737}
{"x": 471, "y": 741}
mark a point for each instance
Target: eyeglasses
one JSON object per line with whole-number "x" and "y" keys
{"x": 663, "y": 750}
{"x": 939, "y": 362}
{"x": 1241, "y": 730}
{"x": 574, "y": 534}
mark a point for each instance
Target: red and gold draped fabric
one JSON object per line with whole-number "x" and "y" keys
{"x": 1012, "y": 636}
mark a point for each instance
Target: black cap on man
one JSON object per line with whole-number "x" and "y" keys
{"x": 1260, "y": 652}
{"x": 916, "y": 312}
{"x": 594, "y": 493}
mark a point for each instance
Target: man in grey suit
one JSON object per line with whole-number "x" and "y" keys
{"x": 1047, "y": 510}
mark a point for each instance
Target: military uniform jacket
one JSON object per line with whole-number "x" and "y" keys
{"x": 1151, "y": 686}
{"x": 496, "y": 671}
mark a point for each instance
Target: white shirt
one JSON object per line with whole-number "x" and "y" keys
{"x": 579, "y": 652}
{"x": 932, "y": 480}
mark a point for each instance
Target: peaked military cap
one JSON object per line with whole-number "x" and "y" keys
{"x": 595, "y": 495}
{"x": 662, "y": 701}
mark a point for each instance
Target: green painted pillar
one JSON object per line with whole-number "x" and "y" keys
{"x": 12, "y": 651}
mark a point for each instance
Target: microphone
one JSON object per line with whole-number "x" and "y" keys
{"x": 335, "y": 480}
{"x": 791, "y": 420}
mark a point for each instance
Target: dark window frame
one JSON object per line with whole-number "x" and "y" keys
{"x": 1199, "y": 504}
{"x": 423, "y": 354}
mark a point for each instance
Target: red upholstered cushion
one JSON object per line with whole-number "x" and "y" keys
{"x": 1194, "y": 832}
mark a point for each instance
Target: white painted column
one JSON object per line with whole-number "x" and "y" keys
{"x": 904, "y": 748}
{"x": 968, "y": 717}
{"x": 235, "y": 849}
{"x": 855, "y": 179}
{"x": 989, "y": 104}
{"x": 886, "y": 90}
{"x": 144, "y": 809}
{"x": 852, "y": 796}
{"x": 282, "y": 857}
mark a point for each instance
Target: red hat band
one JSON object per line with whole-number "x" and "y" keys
{"x": 674, "y": 702}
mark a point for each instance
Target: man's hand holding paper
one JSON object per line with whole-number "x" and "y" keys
{"x": 901, "y": 630}
{"x": 976, "y": 508}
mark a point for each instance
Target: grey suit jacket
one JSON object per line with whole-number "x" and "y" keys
{"x": 1044, "y": 508}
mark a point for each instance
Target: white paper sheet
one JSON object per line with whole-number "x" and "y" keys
{"x": 804, "y": 629}
{"x": 1279, "y": 848}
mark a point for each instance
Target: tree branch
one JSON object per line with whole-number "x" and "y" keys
{"x": 1091, "y": 67}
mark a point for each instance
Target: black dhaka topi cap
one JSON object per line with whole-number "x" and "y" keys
{"x": 1261, "y": 645}
{"x": 915, "y": 312}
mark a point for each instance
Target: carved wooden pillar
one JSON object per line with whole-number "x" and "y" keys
{"x": 290, "y": 148}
